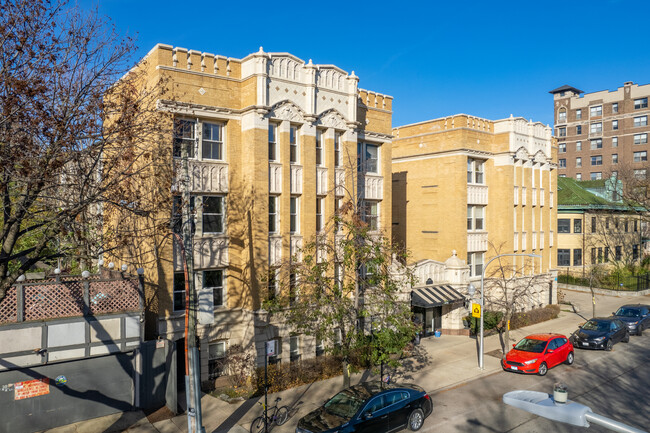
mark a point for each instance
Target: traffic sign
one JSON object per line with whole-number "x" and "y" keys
{"x": 476, "y": 310}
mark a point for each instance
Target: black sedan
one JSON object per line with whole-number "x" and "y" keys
{"x": 600, "y": 333}
{"x": 372, "y": 407}
{"x": 636, "y": 317}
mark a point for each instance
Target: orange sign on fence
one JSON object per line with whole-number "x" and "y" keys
{"x": 31, "y": 388}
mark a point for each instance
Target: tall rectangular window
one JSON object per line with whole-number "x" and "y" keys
{"x": 578, "y": 162}
{"x": 216, "y": 359}
{"x": 319, "y": 147}
{"x": 640, "y": 103}
{"x": 561, "y": 162}
{"x": 597, "y": 160}
{"x": 578, "y": 129}
{"x": 212, "y": 141}
{"x": 614, "y": 158}
{"x": 615, "y": 107}
{"x": 577, "y": 225}
{"x": 593, "y": 224}
{"x": 272, "y": 283}
{"x": 273, "y": 142}
{"x": 294, "y": 152}
{"x": 337, "y": 149}
{"x": 562, "y": 131}
{"x": 213, "y": 214}
{"x": 294, "y": 215}
{"x": 561, "y": 147}
{"x": 618, "y": 251}
{"x": 294, "y": 348}
{"x": 578, "y": 114}
{"x": 578, "y": 146}
{"x": 614, "y": 141}
{"x": 475, "y": 263}
{"x": 577, "y": 257}
{"x": 179, "y": 291}
{"x": 596, "y": 111}
{"x": 371, "y": 214}
{"x": 640, "y": 121}
{"x": 177, "y": 215}
{"x": 635, "y": 251}
{"x": 475, "y": 217}
{"x": 367, "y": 157}
{"x": 563, "y": 257}
{"x": 475, "y": 170}
{"x": 561, "y": 116}
{"x": 273, "y": 213}
{"x": 214, "y": 280}
{"x": 319, "y": 214}
{"x": 641, "y": 138}
{"x": 614, "y": 125}
{"x": 184, "y": 136}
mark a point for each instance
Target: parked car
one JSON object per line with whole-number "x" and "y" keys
{"x": 537, "y": 353}
{"x": 600, "y": 333}
{"x": 371, "y": 407}
{"x": 636, "y": 317}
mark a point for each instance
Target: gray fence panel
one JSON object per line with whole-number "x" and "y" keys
{"x": 94, "y": 387}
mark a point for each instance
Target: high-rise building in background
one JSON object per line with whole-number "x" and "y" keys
{"x": 602, "y": 132}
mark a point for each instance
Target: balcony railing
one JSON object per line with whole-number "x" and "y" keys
{"x": 321, "y": 181}
{"x": 373, "y": 186}
{"x": 210, "y": 177}
{"x": 477, "y": 194}
{"x": 296, "y": 179}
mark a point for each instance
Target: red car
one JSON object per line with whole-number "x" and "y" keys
{"x": 537, "y": 353}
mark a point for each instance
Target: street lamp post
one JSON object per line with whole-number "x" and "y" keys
{"x": 480, "y": 355}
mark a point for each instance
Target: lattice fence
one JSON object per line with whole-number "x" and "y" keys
{"x": 54, "y": 300}
{"x": 8, "y": 306}
{"x": 49, "y": 299}
{"x": 112, "y": 296}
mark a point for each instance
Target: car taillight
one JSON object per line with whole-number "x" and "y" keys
{"x": 427, "y": 396}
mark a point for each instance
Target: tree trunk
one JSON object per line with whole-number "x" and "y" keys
{"x": 346, "y": 374}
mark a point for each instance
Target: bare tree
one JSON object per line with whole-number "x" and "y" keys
{"x": 69, "y": 135}
{"x": 511, "y": 287}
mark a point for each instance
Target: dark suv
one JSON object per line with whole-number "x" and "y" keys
{"x": 636, "y": 317}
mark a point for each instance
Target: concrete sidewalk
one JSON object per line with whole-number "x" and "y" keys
{"x": 439, "y": 364}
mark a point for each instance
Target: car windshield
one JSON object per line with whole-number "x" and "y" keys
{"x": 628, "y": 312}
{"x": 530, "y": 345}
{"x": 344, "y": 404}
{"x": 594, "y": 325}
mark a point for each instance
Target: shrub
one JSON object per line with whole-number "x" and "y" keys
{"x": 289, "y": 375}
{"x": 490, "y": 321}
{"x": 536, "y": 315}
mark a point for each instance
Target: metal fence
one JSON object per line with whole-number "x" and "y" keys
{"x": 611, "y": 281}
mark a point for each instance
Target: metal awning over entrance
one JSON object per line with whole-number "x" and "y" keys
{"x": 434, "y": 296}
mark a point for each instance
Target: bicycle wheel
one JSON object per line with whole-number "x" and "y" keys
{"x": 282, "y": 415}
{"x": 258, "y": 425}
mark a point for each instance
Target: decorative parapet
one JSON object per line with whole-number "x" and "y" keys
{"x": 296, "y": 179}
{"x": 477, "y": 194}
{"x": 211, "y": 177}
{"x": 321, "y": 181}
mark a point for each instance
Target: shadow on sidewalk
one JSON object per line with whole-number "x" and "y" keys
{"x": 237, "y": 415}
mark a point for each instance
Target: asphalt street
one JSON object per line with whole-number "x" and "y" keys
{"x": 615, "y": 384}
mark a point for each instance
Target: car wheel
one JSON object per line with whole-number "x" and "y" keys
{"x": 626, "y": 339}
{"x": 416, "y": 419}
{"x": 542, "y": 369}
{"x": 609, "y": 345}
{"x": 639, "y": 331}
{"x": 570, "y": 358}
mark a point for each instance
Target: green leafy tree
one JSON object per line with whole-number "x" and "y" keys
{"x": 348, "y": 287}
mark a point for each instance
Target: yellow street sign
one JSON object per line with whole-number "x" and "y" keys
{"x": 476, "y": 310}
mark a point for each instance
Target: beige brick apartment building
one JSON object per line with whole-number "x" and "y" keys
{"x": 469, "y": 184}
{"x": 276, "y": 145}
{"x": 603, "y": 132}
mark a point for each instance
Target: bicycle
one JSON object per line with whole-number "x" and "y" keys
{"x": 275, "y": 414}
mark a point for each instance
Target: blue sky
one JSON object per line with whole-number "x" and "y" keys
{"x": 488, "y": 59}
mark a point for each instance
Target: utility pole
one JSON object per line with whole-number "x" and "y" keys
{"x": 193, "y": 382}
